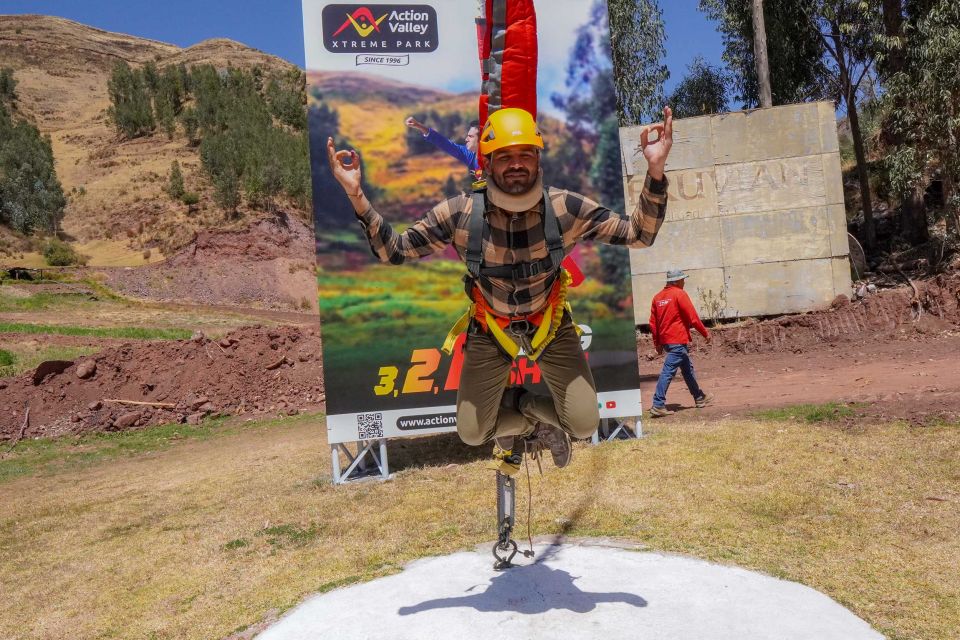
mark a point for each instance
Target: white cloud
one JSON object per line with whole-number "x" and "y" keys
{"x": 557, "y": 23}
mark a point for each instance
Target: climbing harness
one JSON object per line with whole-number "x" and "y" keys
{"x": 531, "y": 333}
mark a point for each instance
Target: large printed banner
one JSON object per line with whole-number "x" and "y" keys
{"x": 371, "y": 66}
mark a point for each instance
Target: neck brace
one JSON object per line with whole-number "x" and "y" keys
{"x": 516, "y": 203}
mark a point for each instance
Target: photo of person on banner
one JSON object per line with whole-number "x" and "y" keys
{"x": 513, "y": 236}
{"x": 466, "y": 153}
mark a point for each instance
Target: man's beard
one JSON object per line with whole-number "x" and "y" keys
{"x": 515, "y": 182}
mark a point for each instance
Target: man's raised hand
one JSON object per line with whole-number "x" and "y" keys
{"x": 345, "y": 166}
{"x": 413, "y": 123}
{"x": 656, "y": 152}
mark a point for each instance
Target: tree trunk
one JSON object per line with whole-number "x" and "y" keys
{"x": 869, "y": 229}
{"x": 893, "y": 26}
{"x": 850, "y": 98}
{"x": 913, "y": 214}
{"x": 913, "y": 217}
{"x": 950, "y": 210}
{"x": 760, "y": 54}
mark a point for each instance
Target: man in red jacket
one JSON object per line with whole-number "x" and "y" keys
{"x": 671, "y": 316}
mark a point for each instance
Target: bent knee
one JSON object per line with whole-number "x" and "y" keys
{"x": 471, "y": 438}
{"x": 469, "y": 428}
{"x": 582, "y": 422}
{"x": 580, "y": 414}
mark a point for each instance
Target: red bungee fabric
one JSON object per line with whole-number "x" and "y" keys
{"x": 507, "y": 39}
{"x": 508, "y": 51}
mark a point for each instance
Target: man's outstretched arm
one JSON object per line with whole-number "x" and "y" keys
{"x": 427, "y": 236}
{"x": 640, "y": 228}
{"x": 451, "y": 148}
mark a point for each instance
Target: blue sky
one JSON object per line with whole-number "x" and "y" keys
{"x": 689, "y": 33}
{"x": 276, "y": 26}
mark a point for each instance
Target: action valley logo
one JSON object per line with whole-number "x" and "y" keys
{"x": 379, "y": 28}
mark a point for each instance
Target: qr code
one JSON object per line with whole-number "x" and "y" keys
{"x": 370, "y": 425}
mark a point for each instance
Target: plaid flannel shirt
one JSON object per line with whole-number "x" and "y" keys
{"x": 511, "y": 238}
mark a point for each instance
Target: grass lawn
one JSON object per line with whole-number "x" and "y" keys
{"x": 179, "y": 532}
{"x": 45, "y": 456}
{"x": 108, "y": 316}
{"x": 809, "y": 412}
{"x": 138, "y": 333}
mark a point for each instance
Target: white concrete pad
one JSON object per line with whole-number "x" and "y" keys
{"x": 572, "y": 591}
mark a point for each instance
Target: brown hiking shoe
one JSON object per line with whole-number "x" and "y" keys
{"x": 547, "y": 436}
{"x": 704, "y": 400}
{"x": 659, "y": 412}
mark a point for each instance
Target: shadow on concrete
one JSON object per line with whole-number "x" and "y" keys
{"x": 529, "y": 589}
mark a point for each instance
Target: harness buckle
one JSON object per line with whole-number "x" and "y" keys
{"x": 521, "y": 327}
{"x": 536, "y": 268}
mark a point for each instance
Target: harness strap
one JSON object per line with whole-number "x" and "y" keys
{"x": 546, "y": 322}
{"x": 475, "y": 233}
{"x": 552, "y": 231}
{"x": 552, "y": 235}
{"x": 518, "y": 271}
{"x": 459, "y": 327}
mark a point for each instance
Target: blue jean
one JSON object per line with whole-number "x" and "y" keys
{"x": 677, "y": 357}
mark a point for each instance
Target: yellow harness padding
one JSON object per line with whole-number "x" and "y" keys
{"x": 458, "y": 327}
{"x": 543, "y": 336}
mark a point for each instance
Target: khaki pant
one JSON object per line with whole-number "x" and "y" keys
{"x": 485, "y": 375}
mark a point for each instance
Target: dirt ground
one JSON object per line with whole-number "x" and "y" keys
{"x": 890, "y": 355}
{"x": 893, "y": 353}
{"x": 252, "y": 370}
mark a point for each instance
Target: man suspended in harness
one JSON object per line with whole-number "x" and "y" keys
{"x": 513, "y": 238}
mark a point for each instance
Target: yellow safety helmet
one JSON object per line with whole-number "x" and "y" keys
{"x": 509, "y": 128}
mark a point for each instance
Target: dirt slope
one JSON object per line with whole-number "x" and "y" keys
{"x": 872, "y": 352}
{"x": 115, "y": 188}
{"x": 268, "y": 264}
{"x": 251, "y": 370}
